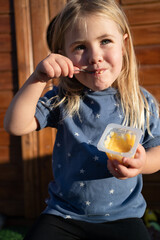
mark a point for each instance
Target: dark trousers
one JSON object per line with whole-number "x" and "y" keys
{"x": 50, "y": 227}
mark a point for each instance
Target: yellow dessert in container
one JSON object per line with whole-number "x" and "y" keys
{"x": 119, "y": 141}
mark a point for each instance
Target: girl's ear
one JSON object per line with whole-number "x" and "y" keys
{"x": 125, "y": 40}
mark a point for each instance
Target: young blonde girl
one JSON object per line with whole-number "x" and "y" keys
{"x": 133, "y": 101}
{"x": 91, "y": 197}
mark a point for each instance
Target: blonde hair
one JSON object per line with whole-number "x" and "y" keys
{"x": 134, "y": 103}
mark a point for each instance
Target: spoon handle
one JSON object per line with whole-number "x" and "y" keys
{"x": 80, "y": 70}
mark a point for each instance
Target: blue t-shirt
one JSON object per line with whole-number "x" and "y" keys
{"x": 83, "y": 188}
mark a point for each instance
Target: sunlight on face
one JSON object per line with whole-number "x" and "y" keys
{"x": 96, "y": 45}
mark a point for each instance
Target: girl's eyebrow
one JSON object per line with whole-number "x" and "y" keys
{"x": 105, "y": 36}
{"x": 84, "y": 41}
{"x": 78, "y": 42}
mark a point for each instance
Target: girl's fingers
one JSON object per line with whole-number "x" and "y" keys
{"x": 139, "y": 159}
{"x": 70, "y": 68}
{"x": 130, "y": 162}
{"x": 120, "y": 171}
{"x": 62, "y": 65}
{"x": 113, "y": 170}
{"x": 54, "y": 66}
{"x": 124, "y": 171}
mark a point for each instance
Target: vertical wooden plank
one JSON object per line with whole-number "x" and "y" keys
{"x": 25, "y": 68}
{"x": 40, "y": 21}
{"x": 55, "y": 7}
{"x": 23, "y": 39}
{"x": 39, "y": 11}
{"x": 11, "y": 186}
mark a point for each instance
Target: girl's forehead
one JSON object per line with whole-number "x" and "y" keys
{"x": 93, "y": 24}
{"x": 83, "y": 21}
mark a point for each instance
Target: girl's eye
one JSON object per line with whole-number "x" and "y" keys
{"x": 106, "y": 41}
{"x": 80, "y": 47}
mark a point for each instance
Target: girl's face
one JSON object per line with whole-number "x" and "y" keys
{"x": 95, "y": 45}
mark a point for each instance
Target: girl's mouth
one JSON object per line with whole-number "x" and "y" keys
{"x": 97, "y": 71}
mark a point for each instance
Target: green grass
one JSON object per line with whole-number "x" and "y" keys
{"x": 13, "y": 233}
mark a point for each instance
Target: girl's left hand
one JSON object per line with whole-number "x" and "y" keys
{"x": 130, "y": 167}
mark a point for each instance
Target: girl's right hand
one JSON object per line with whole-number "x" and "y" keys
{"x": 54, "y": 66}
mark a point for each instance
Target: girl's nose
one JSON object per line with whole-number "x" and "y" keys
{"x": 95, "y": 56}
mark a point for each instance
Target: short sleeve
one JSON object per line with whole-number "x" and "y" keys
{"x": 46, "y": 115}
{"x": 154, "y": 140}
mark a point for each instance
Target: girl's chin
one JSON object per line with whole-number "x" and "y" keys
{"x": 100, "y": 85}
{"x": 99, "y": 88}
{"x": 96, "y": 85}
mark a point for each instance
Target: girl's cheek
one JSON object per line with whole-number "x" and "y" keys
{"x": 74, "y": 59}
{"x": 79, "y": 61}
{"x": 117, "y": 58}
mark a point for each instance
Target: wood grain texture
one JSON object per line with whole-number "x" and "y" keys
{"x": 128, "y": 2}
{"x": 11, "y": 169}
{"x": 146, "y": 34}
{"x": 139, "y": 14}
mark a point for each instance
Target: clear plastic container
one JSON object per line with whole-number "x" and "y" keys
{"x": 118, "y": 141}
